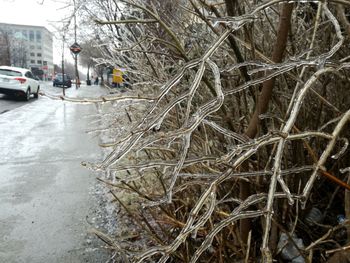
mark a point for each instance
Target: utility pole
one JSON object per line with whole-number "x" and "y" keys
{"x": 77, "y": 80}
{"x": 63, "y": 40}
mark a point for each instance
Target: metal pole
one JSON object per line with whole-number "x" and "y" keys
{"x": 77, "y": 80}
{"x": 63, "y": 89}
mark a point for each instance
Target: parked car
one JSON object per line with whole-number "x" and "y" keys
{"x": 19, "y": 82}
{"x": 58, "y": 80}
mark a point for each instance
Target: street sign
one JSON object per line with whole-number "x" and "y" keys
{"x": 75, "y": 48}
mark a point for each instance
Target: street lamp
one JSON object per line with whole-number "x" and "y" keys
{"x": 63, "y": 40}
{"x": 75, "y": 48}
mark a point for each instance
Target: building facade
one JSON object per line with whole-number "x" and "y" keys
{"x": 29, "y": 47}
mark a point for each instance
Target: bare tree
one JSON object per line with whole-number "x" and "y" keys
{"x": 13, "y": 49}
{"x": 87, "y": 57}
{"x": 4, "y": 48}
{"x": 19, "y": 52}
{"x": 243, "y": 105}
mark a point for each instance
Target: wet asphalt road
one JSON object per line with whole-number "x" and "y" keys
{"x": 46, "y": 196}
{"x": 8, "y": 103}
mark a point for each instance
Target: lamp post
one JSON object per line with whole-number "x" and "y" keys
{"x": 76, "y": 49}
{"x": 63, "y": 40}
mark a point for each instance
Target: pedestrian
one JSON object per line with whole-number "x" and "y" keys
{"x": 96, "y": 81}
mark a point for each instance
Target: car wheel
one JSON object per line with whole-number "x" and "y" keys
{"x": 36, "y": 95}
{"x": 27, "y": 95}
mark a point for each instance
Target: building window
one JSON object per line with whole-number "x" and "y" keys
{"x": 32, "y": 47}
{"x": 31, "y": 35}
{"x": 38, "y": 47}
{"x": 39, "y": 62}
{"x": 32, "y": 54}
{"x": 38, "y": 54}
{"x": 25, "y": 34}
{"x": 38, "y": 36}
{"x": 45, "y": 63}
{"x": 32, "y": 62}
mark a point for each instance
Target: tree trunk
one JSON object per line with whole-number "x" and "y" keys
{"x": 264, "y": 99}
{"x": 277, "y": 56}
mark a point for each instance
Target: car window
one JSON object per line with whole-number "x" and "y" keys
{"x": 9, "y": 72}
{"x": 59, "y": 76}
{"x": 66, "y": 77}
{"x": 29, "y": 75}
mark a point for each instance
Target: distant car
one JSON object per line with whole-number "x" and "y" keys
{"x": 19, "y": 82}
{"x": 58, "y": 81}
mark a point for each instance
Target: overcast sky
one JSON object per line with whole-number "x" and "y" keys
{"x": 31, "y": 12}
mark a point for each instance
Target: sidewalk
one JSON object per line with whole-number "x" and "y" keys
{"x": 47, "y": 202}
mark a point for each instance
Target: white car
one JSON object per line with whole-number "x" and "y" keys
{"x": 19, "y": 82}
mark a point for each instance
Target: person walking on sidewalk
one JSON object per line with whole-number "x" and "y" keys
{"x": 96, "y": 81}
